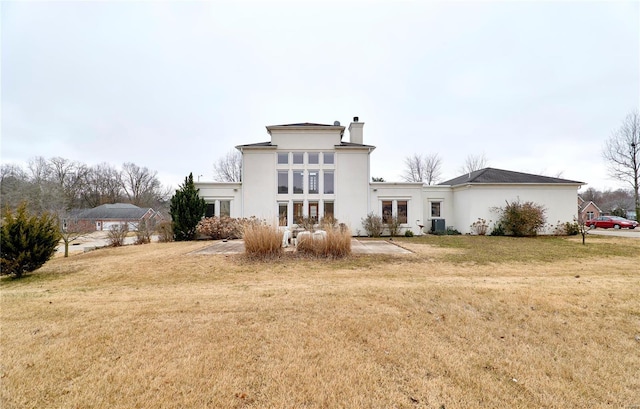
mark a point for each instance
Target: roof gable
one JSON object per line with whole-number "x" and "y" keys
{"x": 499, "y": 176}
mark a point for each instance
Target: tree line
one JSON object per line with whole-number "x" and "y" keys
{"x": 58, "y": 184}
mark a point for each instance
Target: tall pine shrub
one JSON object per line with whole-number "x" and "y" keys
{"x": 27, "y": 241}
{"x": 187, "y": 209}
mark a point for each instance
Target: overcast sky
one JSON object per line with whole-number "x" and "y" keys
{"x": 536, "y": 86}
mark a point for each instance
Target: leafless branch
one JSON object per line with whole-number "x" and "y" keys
{"x": 228, "y": 168}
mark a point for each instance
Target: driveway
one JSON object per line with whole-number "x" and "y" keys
{"x": 635, "y": 233}
{"x": 90, "y": 242}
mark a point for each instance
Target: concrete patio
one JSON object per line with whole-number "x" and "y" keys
{"x": 357, "y": 247}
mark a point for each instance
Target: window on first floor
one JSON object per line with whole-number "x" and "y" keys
{"x": 590, "y": 215}
{"x": 328, "y": 183}
{"x": 225, "y": 208}
{"x": 283, "y": 181}
{"x": 395, "y": 209}
{"x": 313, "y": 158}
{"x": 298, "y": 158}
{"x": 283, "y": 210}
{"x": 387, "y": 211}
{"x": 313, "y": 181}
{"x": 402, "y": 211}
{"x": 435, "y": 209}
{"x": 328, "y": 210}
{"x": 211, "y": 210}
{"x": 298, "y": 212}
{"x": 298, "y": 182}
{"x": 313, "y": 211}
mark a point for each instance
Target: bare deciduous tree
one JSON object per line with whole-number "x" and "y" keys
{"x": 103, "y": 185}
{"x": 140, "y": 185}
{"x": 14, "y": 182}
{"x": 228, "y": 168}
{"x": 60, "y": 184}
{"x": 421, "y": 168}
{"x": 69, "y": 177}
{"x": 622, "y": 152}
{"x": 71, "y": 229}
{"x": 474, "y": 162}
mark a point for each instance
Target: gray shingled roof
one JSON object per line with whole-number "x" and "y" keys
{"x": 356, "y": 145}
{"x": 257, "y": 145}
{"x": 306, "y": 124}
{"x": 117, "y": 211}
{"x": 499, "y": 176}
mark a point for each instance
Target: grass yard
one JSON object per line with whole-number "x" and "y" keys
{"x": 464, "y": 322}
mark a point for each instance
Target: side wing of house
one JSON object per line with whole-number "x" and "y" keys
{"x": 223, "y": 198}
{"x": 401, "y": 200}
{"x": 483, "y": 201}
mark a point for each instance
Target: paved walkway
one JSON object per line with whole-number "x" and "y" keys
{"x": 357, "y": 247}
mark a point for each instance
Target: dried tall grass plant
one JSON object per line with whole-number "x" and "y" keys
{"x": 262, "y": 240}
{"x": 336, "y": 244}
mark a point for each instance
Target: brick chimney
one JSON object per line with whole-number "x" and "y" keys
{"x": 355, "y": 131}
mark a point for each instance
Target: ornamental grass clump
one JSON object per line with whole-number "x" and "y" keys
{"x": 262, "y": 240}
{"x": 335, "y": 244}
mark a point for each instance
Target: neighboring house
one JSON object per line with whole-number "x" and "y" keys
{"x": 105, "y": 216}
{"x": 308, "y": 170}
{"x": 588, "y": 210}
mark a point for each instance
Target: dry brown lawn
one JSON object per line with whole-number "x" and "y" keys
{"x": 467, "y": 322}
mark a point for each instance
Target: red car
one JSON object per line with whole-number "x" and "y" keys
{"x": 607, "y": 222}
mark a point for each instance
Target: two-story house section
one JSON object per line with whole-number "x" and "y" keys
{"x": 309, "y": 170}
{"x": 305, "y": 170}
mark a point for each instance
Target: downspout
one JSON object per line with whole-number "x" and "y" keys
{"x": 241, "y": 183}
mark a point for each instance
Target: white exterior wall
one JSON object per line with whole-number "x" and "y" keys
{"x": 305, "y": 140}
{"x": 259, "y": 184}
{"x": 352, "y": 187}
{"x": 213, "y": 192}
{"x": 442, "y": 194}
{"x": 477, "y": 201}
{"x": 411, "y": 192}
{"x": 355, "y": 196}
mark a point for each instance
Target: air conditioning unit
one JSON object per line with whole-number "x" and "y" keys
{"x": 438, "y": 225}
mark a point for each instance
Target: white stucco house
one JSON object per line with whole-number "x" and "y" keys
{"x": 310, "y": 170}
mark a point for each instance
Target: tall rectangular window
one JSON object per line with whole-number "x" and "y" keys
{"x": 298, "y": 182}
{"x": 402, "y": 211}
{"x": 298, "y": 158}
{"x": 435, "y": 209}
{"x": 313, "y": 211}
{"x": 298, "y": 212}
{"x": 211, "y": 210}
{"x": 313, "y": 181}
{"x": 328, "y": 183}
{"x": 387, "y": 211}
{"x": 225, "y": 208}
{"x": 283, "y": 181}
{"x": 328, "y": 210}
{"x": 327, "y": 158}
{"x": 283, "y": 211}
{"x": 283, "y": 158}
{"x": 313, "y": 158}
